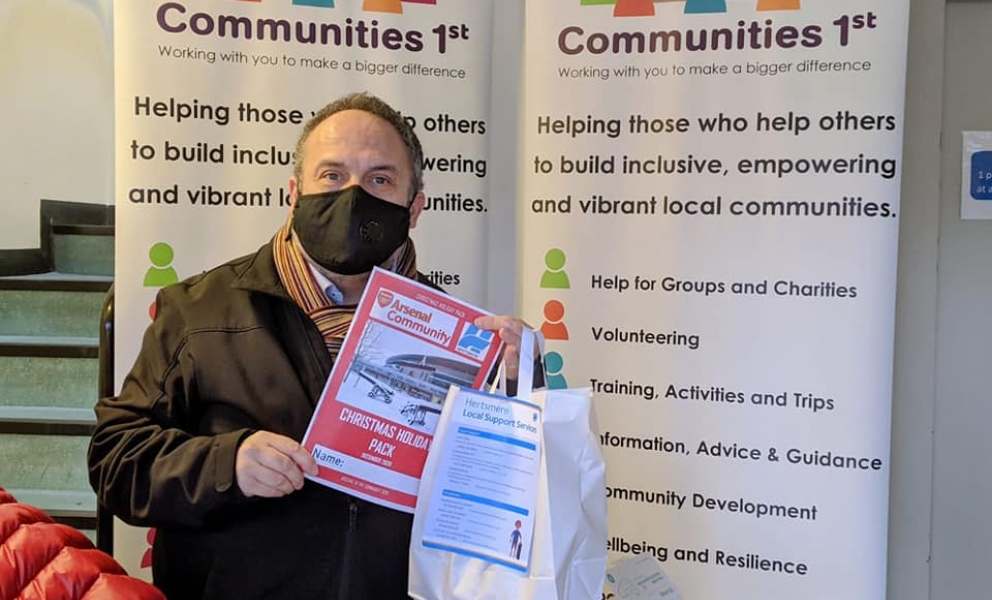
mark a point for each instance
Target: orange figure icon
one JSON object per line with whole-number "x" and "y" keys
{"x": 554, "y": 328}
{"x": 779, "y": 4}
{"x": 634, "y": 8}
{"x": 384, "y": 6}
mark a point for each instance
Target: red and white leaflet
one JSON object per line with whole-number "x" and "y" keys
{"x": 373, "y": 426}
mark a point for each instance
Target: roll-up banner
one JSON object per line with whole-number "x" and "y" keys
{"x": 709, "y": 235}
{"x": 211, "y": 96}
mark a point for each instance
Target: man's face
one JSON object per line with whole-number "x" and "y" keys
{"x": 354, "y": 147}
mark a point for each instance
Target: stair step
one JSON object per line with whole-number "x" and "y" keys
{"x": 96, "y": 230}
{"x": 52, "y": 304}
{"x": 49, "y": 371}
{"x": 46, "y": 420}
{"x": 83, "y": 249}
{"x": 57, "y": 281}
{"x": 76, "y": 509}
{"x": 49, "y": 346}
{"x": 52, "y": 463}
{"x": 58, "y": 502}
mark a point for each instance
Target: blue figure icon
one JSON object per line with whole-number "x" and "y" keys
{"x": 553, "y": 363}
{"x": 705, "y": 6}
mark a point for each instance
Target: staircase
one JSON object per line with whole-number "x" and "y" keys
{"x": 49, "y": 366}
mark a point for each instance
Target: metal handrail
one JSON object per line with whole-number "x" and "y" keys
{"x": 105, "y": 388}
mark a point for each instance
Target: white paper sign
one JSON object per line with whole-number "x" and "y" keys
{"x": 485, "y": 492}
{"x": 639, "y": 577}
{"x": 976, "y": 175}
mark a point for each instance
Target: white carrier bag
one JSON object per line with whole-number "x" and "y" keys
{"x": 567, "y": 543}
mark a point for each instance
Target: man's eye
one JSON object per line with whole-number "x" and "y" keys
{"x": 380, "y": 180}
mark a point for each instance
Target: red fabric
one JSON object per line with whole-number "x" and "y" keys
{"x": 121, "y": 586}
{"x": 43, "y": 560}
{"x": 69, "y": 575}
{"x": 26, "y": 552}
{"x": 14, "y": 515}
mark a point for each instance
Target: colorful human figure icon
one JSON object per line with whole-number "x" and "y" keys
{"x": 779, "y": 4}
{"x": 705, "y": 6}
{"x": 554, "y": 327}
{"x": 161, "y": 273}
{"x": 317, "y": 3}
{"x": 516, "y": 540}
{"x": 555, "y": 276}
{"x": 384, "y": 6}
{"x": 553, "y": 364}
{"x": 634, "y": 8}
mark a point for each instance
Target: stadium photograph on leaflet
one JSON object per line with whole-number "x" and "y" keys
{"x": 408, "y": 344}
{"x": 413, "y": 384}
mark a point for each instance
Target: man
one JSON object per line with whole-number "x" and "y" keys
{"x": 202, "y": 442}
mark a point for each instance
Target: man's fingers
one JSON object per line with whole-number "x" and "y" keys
{"x": 509, "y": 335}
{"x": 512, "y": 361}
{"x": 488, "y": 322}
{"x": 281, "y": 464}
{"x": 274, "y": 479}
{"x": 294, "y": 451}
{"x": 270, "y": 465}
{"x": 510, "y": 330}
{"x": 267, "y": 483}
{"x": 304, "y": 460}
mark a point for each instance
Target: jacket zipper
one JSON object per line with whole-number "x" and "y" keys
{"x": 344, "y": 590}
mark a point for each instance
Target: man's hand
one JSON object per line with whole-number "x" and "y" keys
{"x": 509, "y": 330}
{"x": 272, "y": 465}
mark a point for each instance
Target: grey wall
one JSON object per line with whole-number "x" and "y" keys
{"x": 962, "y": 457}
{"x": 916, "y": 310}
{"x": 940, "y": 537}
{"x": 56, "y": 110}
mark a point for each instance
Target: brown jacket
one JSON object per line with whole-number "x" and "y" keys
{"x": 229, "y": 353}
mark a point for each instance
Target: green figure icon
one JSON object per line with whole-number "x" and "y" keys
{"x": 555, "y": 276}
{"x": 553, "y": 363}
{"x": 626, "y": 8}
{"x": 161, "y": 273}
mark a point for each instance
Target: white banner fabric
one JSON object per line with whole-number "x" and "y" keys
{"x": 709, "y": 237}
{"x": 211, "y": 96}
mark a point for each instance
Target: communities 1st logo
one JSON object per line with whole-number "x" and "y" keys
{"x": 645, "y": 8}
{"x": 381, "y": 6}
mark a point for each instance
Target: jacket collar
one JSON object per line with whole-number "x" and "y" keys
{"x": 258, "y": 273}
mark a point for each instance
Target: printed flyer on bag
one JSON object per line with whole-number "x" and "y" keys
{"x": 484, "y": 490}
{"x": 408, "y": 344}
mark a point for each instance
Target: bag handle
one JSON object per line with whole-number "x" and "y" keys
{"x": 525, "y": 377}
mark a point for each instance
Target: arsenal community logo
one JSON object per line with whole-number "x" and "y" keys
{"x": 385, "y": 298}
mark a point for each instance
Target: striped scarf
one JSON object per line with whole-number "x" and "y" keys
{"x": 331, "y": 320}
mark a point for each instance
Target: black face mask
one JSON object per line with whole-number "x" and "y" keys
{"x": 350, "y": 231}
